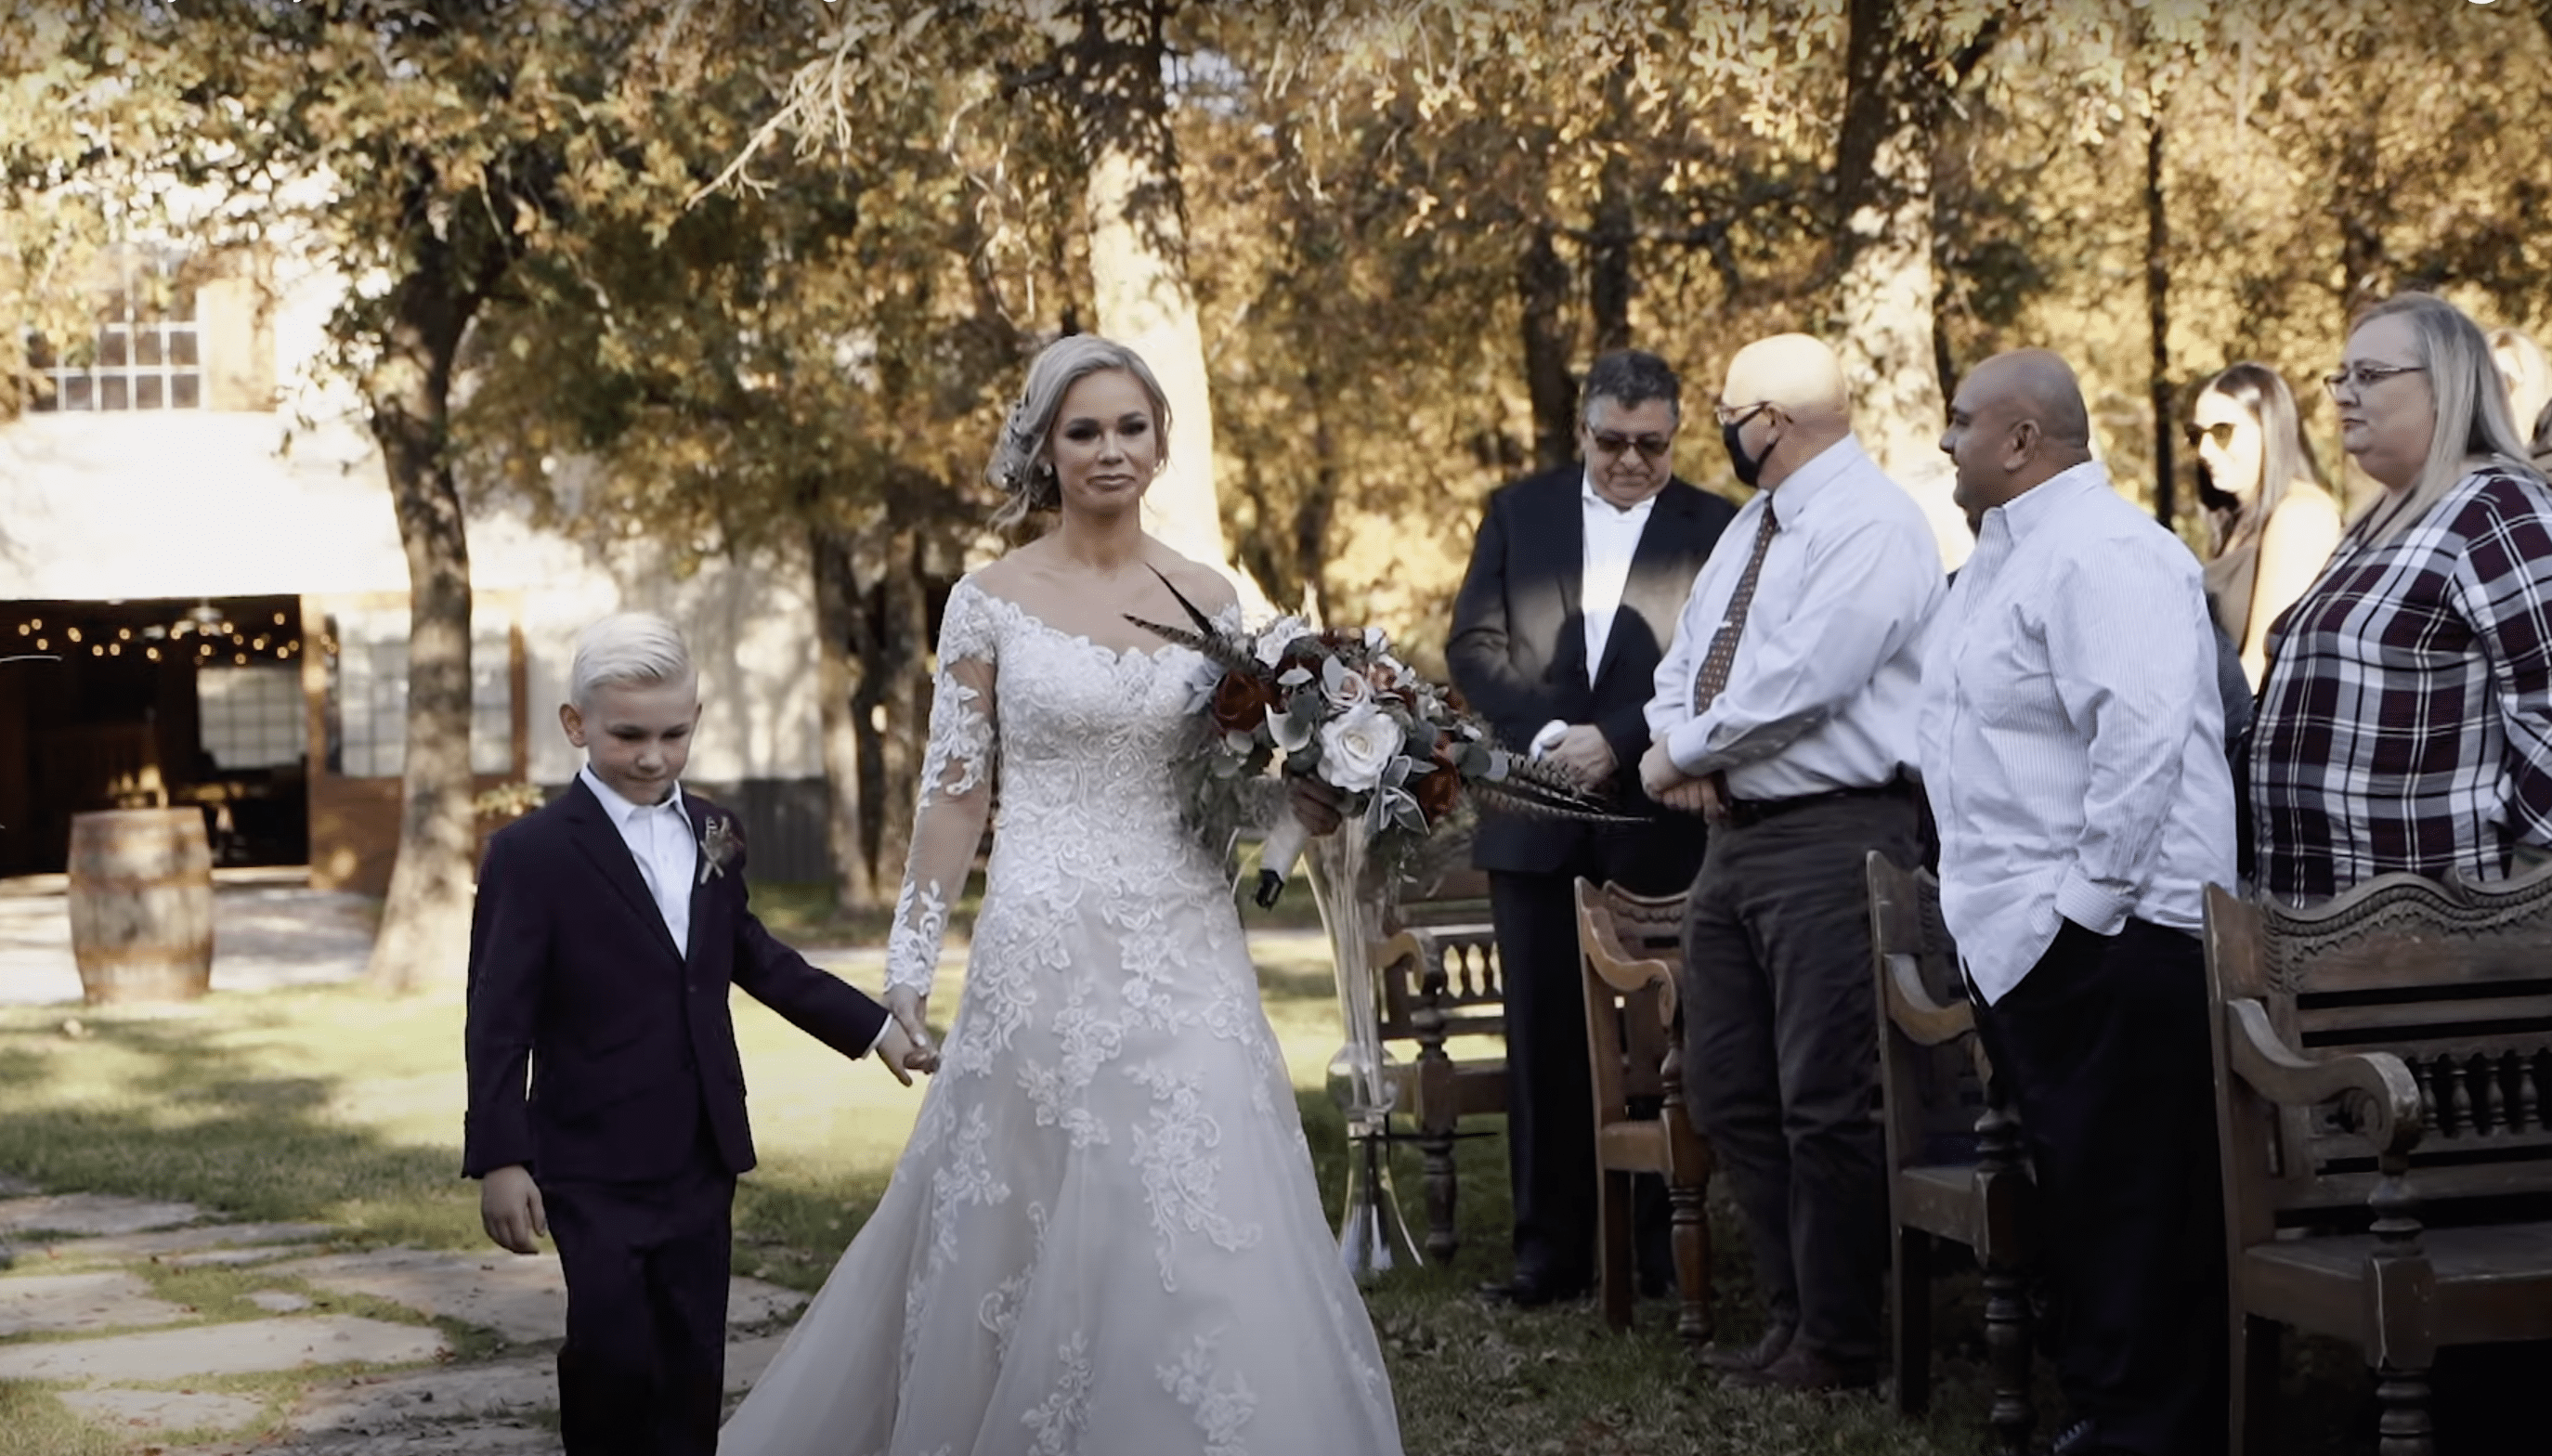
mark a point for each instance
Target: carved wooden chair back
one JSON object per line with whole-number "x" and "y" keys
{"x": 2383, "y": 1062}
{"x": 2455, "y": 981}
{"x": 1442, "y": 960}
{"x": 1931, "y": 1061}
{"x": 1633, "y": 949}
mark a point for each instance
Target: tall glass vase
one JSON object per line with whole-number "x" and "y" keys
{"x": 1372, "y": 1237}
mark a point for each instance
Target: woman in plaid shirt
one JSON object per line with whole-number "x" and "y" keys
{"x": 2406, "y": 721}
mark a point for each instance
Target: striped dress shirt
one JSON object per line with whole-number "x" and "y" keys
{"x": 2406, "y": 720}
{"x": 2072, "y": 737}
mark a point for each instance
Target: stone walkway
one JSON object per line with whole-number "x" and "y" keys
{"x": 364, "y": 1339}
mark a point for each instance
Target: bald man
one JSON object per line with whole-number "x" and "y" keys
{"x": 1783, "y": 715}
{"x": 2072, "y": 746}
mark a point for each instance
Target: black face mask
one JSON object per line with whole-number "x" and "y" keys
{"x": 1749, "y": 468}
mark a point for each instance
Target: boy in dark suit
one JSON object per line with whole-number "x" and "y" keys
{"x": 609, "y": 925}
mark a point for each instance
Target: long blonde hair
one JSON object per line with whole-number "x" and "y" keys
{"x": 2473, "y": 417}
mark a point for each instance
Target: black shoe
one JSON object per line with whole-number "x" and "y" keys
{"x": 1532, "y": 1291}
{"x": 1803, "y": 1368}
{"x": 1775, "y": 1342}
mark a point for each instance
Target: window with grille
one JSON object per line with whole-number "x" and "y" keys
{"x": 367, "y": 696}
{"x": 251, "y": 717}
{"x": 147, "y": 354}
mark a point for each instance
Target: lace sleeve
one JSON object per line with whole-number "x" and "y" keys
{"x": 957, "y": 767}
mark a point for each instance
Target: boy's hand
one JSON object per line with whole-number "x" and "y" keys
{"x": 510, "y": 1208}
{"x": 906, "y": 1010}
{"x": 895, "y": 1049}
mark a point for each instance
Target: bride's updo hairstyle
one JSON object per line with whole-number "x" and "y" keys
{"x": 1020, "y": 465}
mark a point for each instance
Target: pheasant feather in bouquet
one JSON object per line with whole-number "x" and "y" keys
{"x": 1337, "y": 706}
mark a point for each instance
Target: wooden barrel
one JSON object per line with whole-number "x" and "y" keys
{"x": 141, "y": 904}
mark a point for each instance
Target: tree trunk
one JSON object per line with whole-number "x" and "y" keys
{"x": 2158, "y": 320}
{"x": 425, "y": 923}
{"x": 1138, "y": 254}
{"x": 836, "y": 677}
{"x": 2360, "y": 199}
{"x": 1609, "y": 279}
{"x": 891, "y": 709}
{"x": 1318, "y": 508}
{"x": 1541, "y": 282}
{"x": 1886, "y": 290}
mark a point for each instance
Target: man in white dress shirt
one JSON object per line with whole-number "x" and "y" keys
{"x": 2072, "y": 750}
{"x": 1575, "y": 581}
{"x": 1784, "y": 715}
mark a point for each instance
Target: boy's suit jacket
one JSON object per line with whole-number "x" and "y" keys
{"x": 626, "y": 1044}
{"x": 1518, "y": 652}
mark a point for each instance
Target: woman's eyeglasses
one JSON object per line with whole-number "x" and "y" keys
{"x": 2221, "y": 432}
{"x": 2359, "y": 377}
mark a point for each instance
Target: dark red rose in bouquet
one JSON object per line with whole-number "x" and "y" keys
{"x": 1438, "y": 791}
{"x": 1240, "y": 702}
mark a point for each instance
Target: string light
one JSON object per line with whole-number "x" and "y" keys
{"x": 214, "y": 636}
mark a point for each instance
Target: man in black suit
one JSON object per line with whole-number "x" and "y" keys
{"x": 609, "y": 925}
{"x": 1575, "y": 582}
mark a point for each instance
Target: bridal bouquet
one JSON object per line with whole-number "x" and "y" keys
{"x": 1337, "y": 706}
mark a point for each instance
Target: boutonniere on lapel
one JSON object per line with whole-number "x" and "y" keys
{"x": 719, "y": 844}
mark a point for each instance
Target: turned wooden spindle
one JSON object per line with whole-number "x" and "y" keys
{"x": 2007, "y": 1335}
{"x": 2401, "y": 1391}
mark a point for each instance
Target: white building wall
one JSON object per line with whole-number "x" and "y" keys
{"x": 110, "y": 506}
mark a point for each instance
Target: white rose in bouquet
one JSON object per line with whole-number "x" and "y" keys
{"x": 1356, "y": 747}
{"x": 1343, "y": 688}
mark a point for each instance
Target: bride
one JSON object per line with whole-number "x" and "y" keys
{"x": 1104, "y": 1236}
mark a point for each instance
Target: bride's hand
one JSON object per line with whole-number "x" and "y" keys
{"x": 911, "y": 1008}
{"x": 1316, "y": 805}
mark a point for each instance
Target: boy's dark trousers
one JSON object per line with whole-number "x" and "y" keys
{"x": 644, "y": 1368}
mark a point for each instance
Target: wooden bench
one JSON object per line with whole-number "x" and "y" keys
{"x": 1438, "y": 969}
{"x": 1631, "y": 951}
{"x": 2382, "y": 1083}
{"x": 1955, "y": 1169}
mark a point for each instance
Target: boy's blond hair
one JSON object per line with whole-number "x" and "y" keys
{"x": 627, "y": 649}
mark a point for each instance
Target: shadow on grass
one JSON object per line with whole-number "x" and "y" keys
{"x": 195, "y": 1107}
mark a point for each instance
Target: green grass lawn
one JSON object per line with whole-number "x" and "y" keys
{"x": 339, "y": 1105}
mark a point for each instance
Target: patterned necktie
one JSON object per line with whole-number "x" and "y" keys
{"x": 1723, "y": 642}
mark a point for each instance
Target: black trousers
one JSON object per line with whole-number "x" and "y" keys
{"x": 1550, "y": 1099}
{"x": 643, "y": 1372}
{"x": 2104, "y": 1044}
{"x": 1781, "y": 1056}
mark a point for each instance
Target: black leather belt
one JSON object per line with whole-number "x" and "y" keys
{"x": 1743, "y": 813}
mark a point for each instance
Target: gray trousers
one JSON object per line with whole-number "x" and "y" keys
{"x": 1781, "y": 1056}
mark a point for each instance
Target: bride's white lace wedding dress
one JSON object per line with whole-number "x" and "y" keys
{"x": 1104, "y": 1236}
